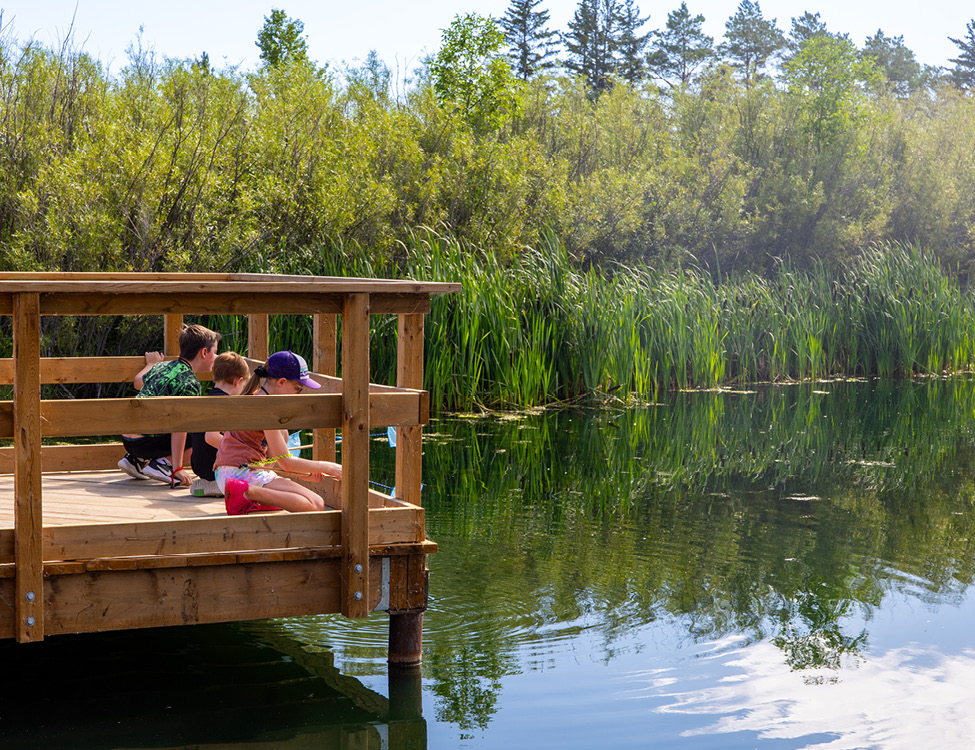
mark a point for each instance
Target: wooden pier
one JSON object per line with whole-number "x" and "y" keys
{"x": 85, "y": 549}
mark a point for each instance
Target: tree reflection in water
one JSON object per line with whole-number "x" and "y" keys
{"x": 773, "y": 515}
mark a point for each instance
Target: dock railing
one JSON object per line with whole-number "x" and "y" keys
{"x": 71, "y": 578}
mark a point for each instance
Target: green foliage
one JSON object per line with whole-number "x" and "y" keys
{"x": 173, "y": 165}
{"x": 826, "y": 76}
{"x": 471, "y": 77}
{"x": 280, "y": 40}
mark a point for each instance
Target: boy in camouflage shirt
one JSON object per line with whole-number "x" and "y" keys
{"x": 160, "y": 457}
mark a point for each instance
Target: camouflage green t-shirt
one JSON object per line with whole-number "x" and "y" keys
{"x": 173, "y": 378}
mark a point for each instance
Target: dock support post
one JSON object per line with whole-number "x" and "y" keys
{"x": 405, "y": 639}
{"x": 355, "y": 455}
{"x": 323, "y": 362}
{"x": 28, "y": 514}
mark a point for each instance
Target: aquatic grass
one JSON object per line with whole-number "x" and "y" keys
{"x": 539, "y": 329}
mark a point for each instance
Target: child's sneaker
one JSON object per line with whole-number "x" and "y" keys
{"x": 234, "y": 500}
{"x": 205, "y": 488}
{"x": 160, "y": 469}
{"x": 133, "y": 466}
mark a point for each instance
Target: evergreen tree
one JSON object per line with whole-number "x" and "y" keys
{"x": 532, "y": 46}
{"x": 280, "y": 40}
{"x": 591, "y": 43}
{"x": 963, "y": 74}
{"x": 896, "y": 63}
{"x": 751, "y": 40}
{"x": 629, "y": 43}
{"x": 681, "y": 48}
{"x": 806, "y": 26}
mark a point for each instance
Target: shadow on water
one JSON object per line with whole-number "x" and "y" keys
{"x": 205, "y": 686}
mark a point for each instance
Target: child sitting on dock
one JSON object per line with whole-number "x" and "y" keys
{"x": 230, "y": 373}
{"x": 245, "y": 458}
{"x": 160, "y": 457}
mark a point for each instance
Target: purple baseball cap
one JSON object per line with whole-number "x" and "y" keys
{"x": 289, "y": 365}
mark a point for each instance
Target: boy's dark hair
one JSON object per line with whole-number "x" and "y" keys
{"x": 194, "y": 338}
{"x": 229, "y": 366}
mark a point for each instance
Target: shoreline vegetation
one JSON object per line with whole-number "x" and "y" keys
{"x": 613, "y": 246}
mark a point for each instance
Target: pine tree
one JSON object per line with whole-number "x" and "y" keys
{"x": 751, "y": 40}
{"x": 590, "y": 42}
{"x": 963, "y": 74}
{"x": 902, "y": 73}
{"x": 532, "y": 46}
{"x": 629, "y": 43}
{"x": 806, "y": 26}
{"x": 681, "y": 48}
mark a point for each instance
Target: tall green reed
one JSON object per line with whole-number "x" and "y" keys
{"x": 539, "y": 329}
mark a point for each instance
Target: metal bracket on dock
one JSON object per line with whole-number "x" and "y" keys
{"x": 384, "y": 587}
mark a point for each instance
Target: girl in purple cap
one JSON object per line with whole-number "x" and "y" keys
{"x": 242, "y": 466}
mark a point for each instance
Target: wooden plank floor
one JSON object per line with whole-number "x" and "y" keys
{"x": 107, "y": 496}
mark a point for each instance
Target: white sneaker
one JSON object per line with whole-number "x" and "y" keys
{"x": 159, "y": 469}
{"x": 205, "y": 488}
{"x": 133, "y": 466}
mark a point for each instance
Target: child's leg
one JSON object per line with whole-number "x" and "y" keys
{"x": 283, "y": 493}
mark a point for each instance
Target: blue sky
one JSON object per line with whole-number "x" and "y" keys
{"x": 402, "y": 32}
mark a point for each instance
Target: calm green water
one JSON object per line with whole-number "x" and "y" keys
{"x": 785, "y": 568}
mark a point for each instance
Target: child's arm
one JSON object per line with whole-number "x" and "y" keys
{"x": 213, "y": 438}
{"x": 152, "y": 358}
{"x": 277, "y": 447}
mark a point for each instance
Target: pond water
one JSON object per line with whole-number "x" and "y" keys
{"x": 789, "y": 567}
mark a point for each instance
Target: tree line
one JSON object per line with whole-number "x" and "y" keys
{"x": 606, "y": 39}
{"x": 174, "y": 165}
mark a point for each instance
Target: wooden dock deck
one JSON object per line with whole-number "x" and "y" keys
{"x": 91, "y": 497}
{"x": 84, "y": 548}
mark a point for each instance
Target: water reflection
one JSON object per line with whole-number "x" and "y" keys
{"x": 908, "y": 697}
{"x": 783, "y": 517}
{"x": 791, "y": 566}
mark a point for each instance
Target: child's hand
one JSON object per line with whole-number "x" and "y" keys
{"x": 154, "y": 357}
{"x": 317, "y": 476}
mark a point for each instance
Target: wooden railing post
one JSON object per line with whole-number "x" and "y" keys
{"x": 172, "y": 328}
{"x": 409, "y": 374}
{"x": 323, "y": 361}
{"x": 355, "y": 455}
{"x": 257, "y": 337}
{"x": 28, "y": 514}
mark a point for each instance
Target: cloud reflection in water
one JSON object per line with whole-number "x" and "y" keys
{"x": 908, "y": 697}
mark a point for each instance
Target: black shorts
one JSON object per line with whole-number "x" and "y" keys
{"x": 149, "y": 446}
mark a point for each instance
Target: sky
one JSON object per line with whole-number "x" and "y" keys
{"x": 403, "y": 32}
